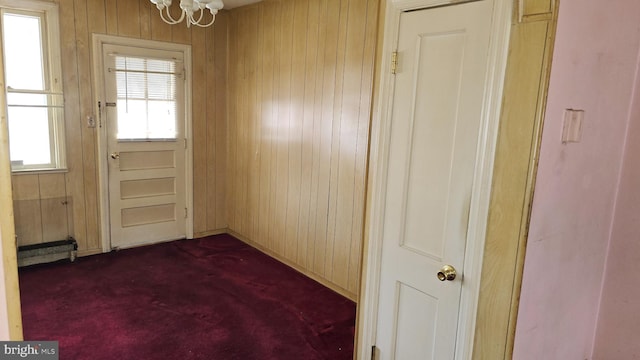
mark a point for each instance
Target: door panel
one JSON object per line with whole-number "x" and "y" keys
{"x": 435, "y": 127}
{"x": 139, "y": 160}
{"x": 144, "y": 92}
{"x": 535, "y": 7}
{"x": 414, "y": 330}
{"x": 130, "y": 189}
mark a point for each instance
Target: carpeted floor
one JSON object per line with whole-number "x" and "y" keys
{"x": 211, "y": 298}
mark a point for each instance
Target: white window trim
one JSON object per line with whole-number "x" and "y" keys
{"x": 52, "y": 60}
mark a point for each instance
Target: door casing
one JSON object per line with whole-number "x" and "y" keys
{"x": 380, "y": 130}
{"x": 98, "y": 41}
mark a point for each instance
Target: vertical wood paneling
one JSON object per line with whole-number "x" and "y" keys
{"x": 253, "y": 140}
{"x": 322, "y": 122}
{"x": 145, "y": 19}
{"x": 300, "y": 85}
{"x": 96, "y": 12}
{"x": 336, "y": 130}
{"x": 26, "y": 209}
{"x": 41, "y": 214}
{"x": 111, "y": 16}
{"x": 209, "y": 194}
{"x": 294, "y": 143}
{"x": 231, "y": 130}
{"x": 53, "y": 205}
{"x": 54, "y": 219}
{"x": 268, "y": 65}
{"x": 199, "y": 137}
{"x": 327, "y": 122}
{"x": 362, "y": 143}
{"x": 51, "y": 186}
{"x": 348, "y": 139}
{"x": 73, "y": 125}
{"x": 218, "y": 122}
{"x": 160, "y": 30}
{"x": 40, "y": 206}
{"x": 128, "y": 18}
{"x": 232, "y": 84}
{"x": 311, "y": 72}
{"x": 181, "y": 34}
{"x": 273, "y": 14}
{"x": 286, "y": 32}
{"x": 83, "y": 45}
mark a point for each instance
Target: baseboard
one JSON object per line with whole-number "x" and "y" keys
{"x": 334, "y": 287}
{"x": 82, "y": 253}
{"x": 210, "y": 233}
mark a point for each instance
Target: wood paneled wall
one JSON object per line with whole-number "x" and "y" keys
{"x": 41, "y": 208}
{"x": 300, "y": 90}
{"x": 136, "y": 19}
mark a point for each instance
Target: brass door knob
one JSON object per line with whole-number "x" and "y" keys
{"x": 447, "y": 273}
{"x": 115, "y": 156}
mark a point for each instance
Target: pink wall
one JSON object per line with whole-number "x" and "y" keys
{"x": 619, "y": 322}
{"x": 593, "y": 69}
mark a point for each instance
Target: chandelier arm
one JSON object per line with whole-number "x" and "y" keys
{"x": 199, "y": 18}
{"x": 171, "y": 20}
{"x": 206, "y": 25}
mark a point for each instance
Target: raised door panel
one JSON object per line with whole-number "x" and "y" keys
{"x": 536, "y": 7}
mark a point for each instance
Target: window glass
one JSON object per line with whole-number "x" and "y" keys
{"x": 34, "y": 108}
{"x": 24, "y": 62}
{"x": 146, "y": 98}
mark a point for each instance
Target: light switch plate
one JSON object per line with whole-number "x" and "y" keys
{"x": 572, "y": 129}
{"x": 91, "y": 121}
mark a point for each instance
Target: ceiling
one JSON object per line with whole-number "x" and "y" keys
{"x": 230, "y": 4}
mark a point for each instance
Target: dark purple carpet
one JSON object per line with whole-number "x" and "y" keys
{"x": 211, "y": 298}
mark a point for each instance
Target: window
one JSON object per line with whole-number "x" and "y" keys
{"x": 146, "y": 98}
{"x": 34, "y": 97}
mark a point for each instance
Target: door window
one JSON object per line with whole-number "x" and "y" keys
{"x": 146, "y": 99}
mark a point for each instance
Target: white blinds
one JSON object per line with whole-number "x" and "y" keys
{"x": 146, "y": 93}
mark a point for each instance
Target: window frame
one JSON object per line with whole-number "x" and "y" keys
{"x": 52, "y": 68}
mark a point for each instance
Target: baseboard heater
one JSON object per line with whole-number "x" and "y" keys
{"x": 47, "y": 252}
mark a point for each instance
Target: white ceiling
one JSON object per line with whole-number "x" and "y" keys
{"x": 230, "y": 4}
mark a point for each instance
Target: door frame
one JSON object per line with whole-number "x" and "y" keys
{"x": 379, "y": 149}
{"x": 98, "y": 40}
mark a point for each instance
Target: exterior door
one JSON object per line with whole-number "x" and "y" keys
{"x": 435, "y": 127}
{"x": 145, "y": 99}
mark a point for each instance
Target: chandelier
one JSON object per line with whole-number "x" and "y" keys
{"x": 192, "y": 11}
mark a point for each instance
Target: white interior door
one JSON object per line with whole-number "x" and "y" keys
{"x": 435, "y": 126}
{"x": 146, "y": 142}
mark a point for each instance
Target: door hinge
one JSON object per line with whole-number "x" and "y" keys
{"x": 185, "y": 143}
{"x": 373, "y": 352}
{"x": 186, "y": 213}
{"x": 394, "y": 62}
